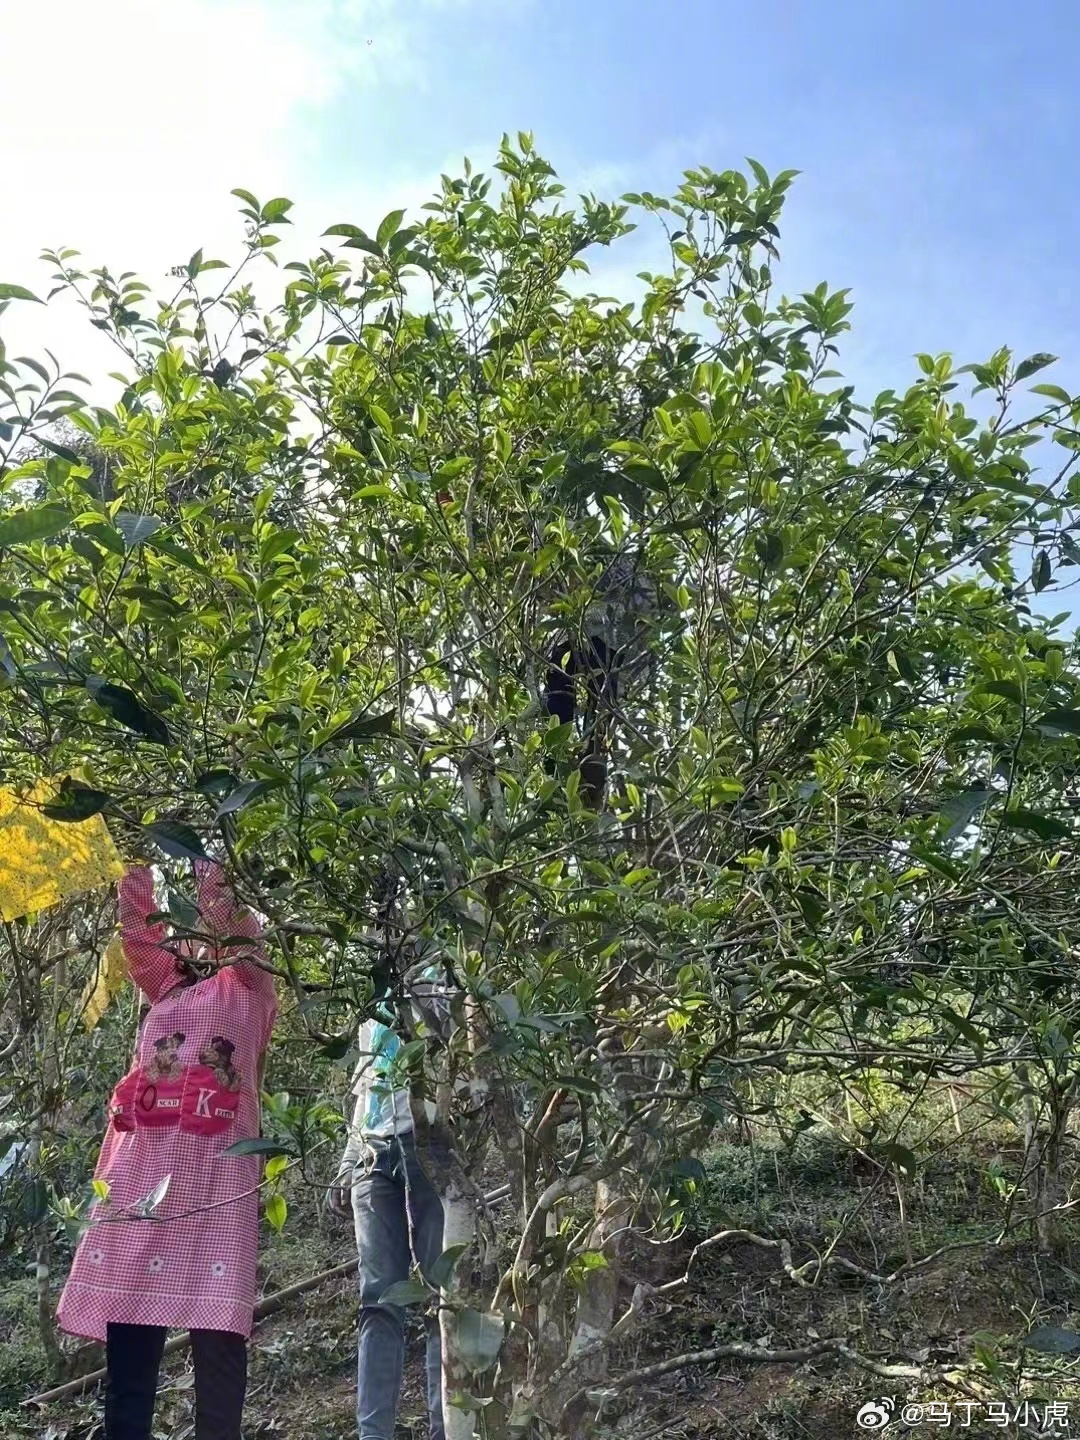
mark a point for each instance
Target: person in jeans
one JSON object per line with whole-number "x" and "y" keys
{"x": 398, "y": 1219}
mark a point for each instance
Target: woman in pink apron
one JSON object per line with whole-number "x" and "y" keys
{"x": 174, "y": 1244}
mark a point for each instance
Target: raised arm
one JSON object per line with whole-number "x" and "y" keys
{"x": 223, "y": 917}
{"x": 151, "y": 966}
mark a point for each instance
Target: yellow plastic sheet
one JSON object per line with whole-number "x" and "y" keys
{"x": 103, "y": 987}
{"x": 43, "y": 861}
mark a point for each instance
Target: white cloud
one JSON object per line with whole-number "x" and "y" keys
{"x": 125, "y": 125}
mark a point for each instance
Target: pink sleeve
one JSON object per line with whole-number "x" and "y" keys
{"x": 223, "y": 917}
{"x": 150, "y": 964}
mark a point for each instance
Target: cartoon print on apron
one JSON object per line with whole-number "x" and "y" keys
{"x": 202, "y": 1098}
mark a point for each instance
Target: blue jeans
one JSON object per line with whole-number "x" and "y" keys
{"x": 398, "y": 1218}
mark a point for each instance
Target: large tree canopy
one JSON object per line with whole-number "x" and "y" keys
{"x": 300, "y": 592}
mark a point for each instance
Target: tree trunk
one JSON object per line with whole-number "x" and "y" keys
{"x": 600, "y": 1287}
{"x": 459, "y": 1228}
{"x": 1043, "y": 1155}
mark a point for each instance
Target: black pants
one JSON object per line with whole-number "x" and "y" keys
{"x": 134, "y": 1359}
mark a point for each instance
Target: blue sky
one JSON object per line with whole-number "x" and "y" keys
{"x": 937, "y": 141}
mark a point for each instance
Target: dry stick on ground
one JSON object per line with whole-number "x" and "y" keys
{"x": 797, "y": 1273}
{"x": 738, "y": 1350}
{"x": 836, "y": 1345}
{"x": 272, "y": 1303}
{"x": 269, "y": 1306}
{"x": 266, "y": 1307}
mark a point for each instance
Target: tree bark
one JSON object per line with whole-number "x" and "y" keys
{"x": 459, "y": 1228}
{"x": 1043, "y": 1156}
{"x": 599, "y": 1294}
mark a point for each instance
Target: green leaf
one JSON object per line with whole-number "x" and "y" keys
{"x": 363, "y": 242}
{"x": 155, "y": 600}
{"x": 964, "y": 1027}
{"x": 351, "y": 231}
{"x": 1038, "y": 361}
{"x": 63, "y": 451}
{"x": 33, "y": 1203}
{"x": 244, "y": 794}
{"x": 123, "y": 705}
{"x": 183, "y": 910}
{"x": 961, "y": 809}
{"x": 275, "y": 1166}
{"x": 812, "y": 905}
{"x": 1007, "y": 689}
{"x": 136, "y": 528}
{"x": 1002, "y": 479}
{"x": 770, "y": 548}
{"x": 1041, "y": 572}
{"x": 22, "y": 526}
{"x": 35, "y": 365}
{"x": 453, "y": 468}
{"x": 337, "y": 1048}
{"x": 690, "y": 1169}
{"x": 937, "y": 862}
{"x": 388, "y": 228}
{"x": 363, "y": 726}
{"x": 1060, "y": 722}
{"x": 479, "y": 1338}
{"x": 442, "y": 1271}
{"x": 274, "y": 211}
{"x": 277, "y": 1212}
{"x": 177, "y": 552}
{"x": 76, "y": 802}
{"x": 1053, "y": 392}
{"x": 406, "y": 1292}
{"x": 1052, "y": 1340}
{"x": 372, "y": 492}
{"x": 721, "y": 789}
{"x": 215, "y": 782}
{"x": 900, "y": 1158}
{"x": 107, "y": 536}
{"x": 177, "y": 839}
{"x": 1044, "y": 826}
{"x": 149, "y": 1203}
{"x": 970, "y": 732}
{"x": 17, "y": 292}
{"x": 275, "y": 544}
{"x": 256, "y": 1145}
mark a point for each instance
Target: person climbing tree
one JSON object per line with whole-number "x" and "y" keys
{"x": 172, "y": 1238}
{"x": 607, "y": 643}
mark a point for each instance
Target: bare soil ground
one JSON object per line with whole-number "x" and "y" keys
{"x": 963, "y": 1313}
